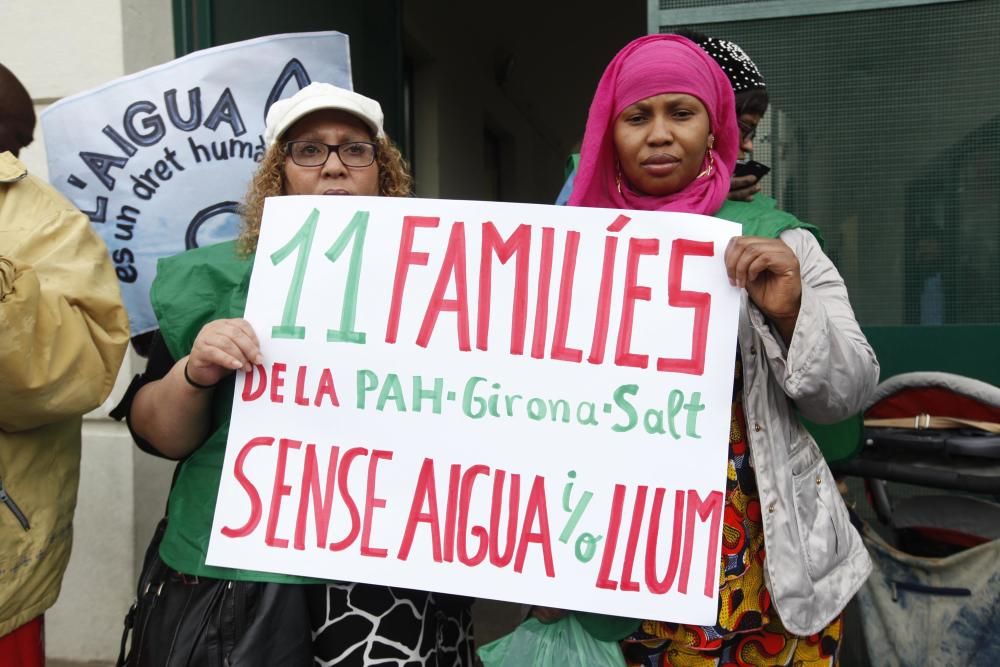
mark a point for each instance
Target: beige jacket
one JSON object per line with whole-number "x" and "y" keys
{"x": 815, "y": 558}
{"x": 63, "y": 333}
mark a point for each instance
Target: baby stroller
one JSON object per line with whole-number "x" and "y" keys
{"x": 930, "y": 497}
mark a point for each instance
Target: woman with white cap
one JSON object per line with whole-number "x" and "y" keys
{"x": 323, "y": 140}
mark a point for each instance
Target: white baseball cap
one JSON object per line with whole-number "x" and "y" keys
{"x": 314, "y": 97}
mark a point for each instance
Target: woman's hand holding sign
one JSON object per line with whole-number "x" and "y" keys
{"x": 222, "y": 347}
{"x": 177, "y": 407}
{"x": 769, "y": 271}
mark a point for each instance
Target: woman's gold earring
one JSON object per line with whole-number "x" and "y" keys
{"x": 711, "y": 165}
{"x": 618, "y": 177}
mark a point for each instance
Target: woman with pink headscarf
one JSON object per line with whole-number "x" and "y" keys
{"x": 662, "y": 135}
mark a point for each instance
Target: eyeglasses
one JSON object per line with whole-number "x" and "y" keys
{"x": 315, "y": 153}
{"x": 747, "y": 131}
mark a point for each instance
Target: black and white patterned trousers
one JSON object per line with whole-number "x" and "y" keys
{"x": 361, "y": 625}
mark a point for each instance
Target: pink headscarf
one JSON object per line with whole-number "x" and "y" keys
{"x": 650, "y": 66}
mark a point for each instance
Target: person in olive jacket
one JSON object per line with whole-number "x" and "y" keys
{"x": 63, "y": 333}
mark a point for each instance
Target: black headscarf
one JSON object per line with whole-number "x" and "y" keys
{"x": 742, "y": 73}
{"x": 734, "y": 61}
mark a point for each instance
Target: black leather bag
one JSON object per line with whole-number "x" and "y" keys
{"x": 180, "y": 621}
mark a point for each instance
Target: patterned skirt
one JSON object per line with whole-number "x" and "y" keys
{"x": 360, "y": 624}
{"x": 769, "y": 646}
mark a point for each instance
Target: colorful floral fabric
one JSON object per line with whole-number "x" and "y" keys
{"x": 766, "y": 647}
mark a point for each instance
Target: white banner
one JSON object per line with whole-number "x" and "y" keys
{"x": 510, "y": 401}
{"x": 159, "y": 159}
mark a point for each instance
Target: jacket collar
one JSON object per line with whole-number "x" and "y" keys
{"x": 11, "y": 169}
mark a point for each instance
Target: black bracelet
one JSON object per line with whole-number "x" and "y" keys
{"x": 196, "y": 384}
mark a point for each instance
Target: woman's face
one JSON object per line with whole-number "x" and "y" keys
{"x": 748, "y": 126}
{"x": 335, "y": 127}
{"x": 661, "y": 142}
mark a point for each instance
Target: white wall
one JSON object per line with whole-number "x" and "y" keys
{"x": 59, "y": 48}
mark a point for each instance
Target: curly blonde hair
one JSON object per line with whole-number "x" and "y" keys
{"x": 394, "y": 180}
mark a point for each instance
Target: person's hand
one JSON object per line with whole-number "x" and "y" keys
{"x": 222, "y": 347}
{"x": 769, "y": 271}
{"x": 743, "y": 188}
{"x": 548, "y": 614}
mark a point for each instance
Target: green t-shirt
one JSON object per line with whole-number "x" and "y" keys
{"x": 189, "y": 291}
{"x": 759, "y": 217}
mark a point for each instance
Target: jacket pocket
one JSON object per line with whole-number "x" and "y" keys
{"x": 12, "y": 506}
{"x": 821, "y": 519}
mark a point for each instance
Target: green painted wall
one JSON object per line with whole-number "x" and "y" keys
{"x": 970, "y": 350}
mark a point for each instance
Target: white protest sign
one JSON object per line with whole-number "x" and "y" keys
{"x": 159, "y": 159}
{"x": 510, "y": 401}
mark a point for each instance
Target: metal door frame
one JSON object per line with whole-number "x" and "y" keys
{"x": 767, "y": 9}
